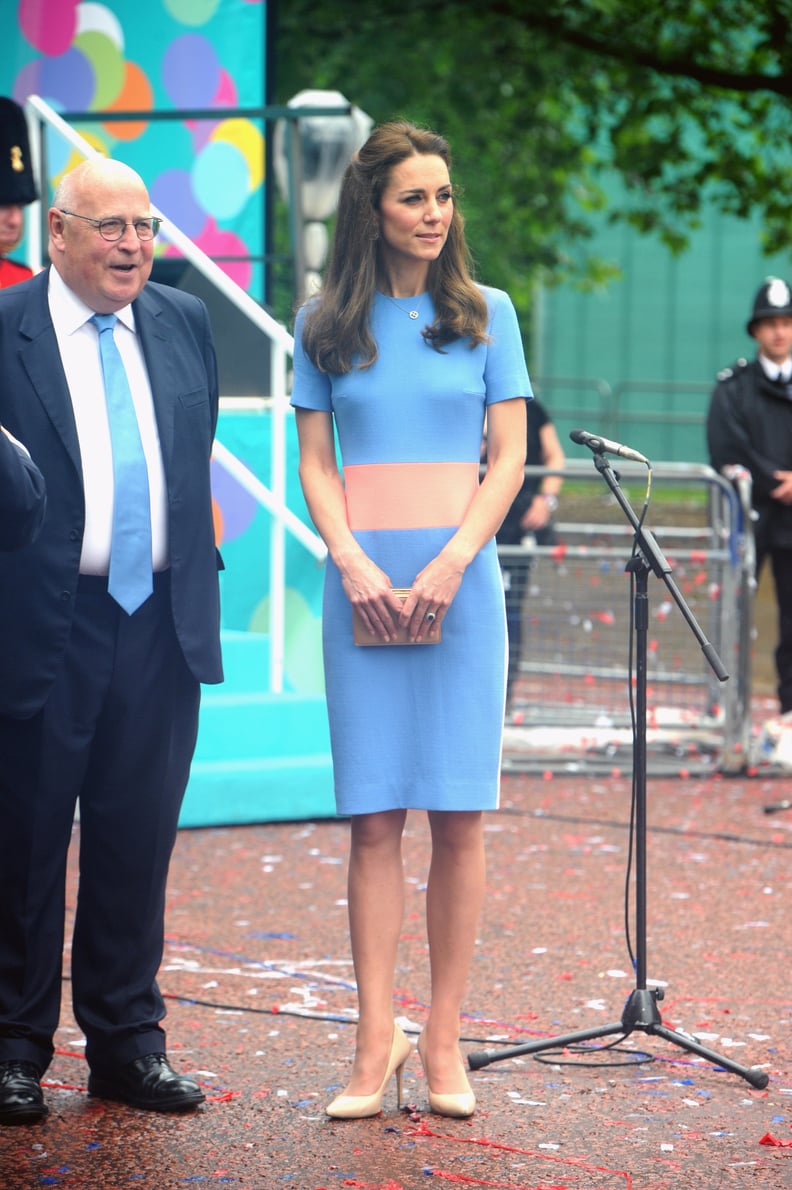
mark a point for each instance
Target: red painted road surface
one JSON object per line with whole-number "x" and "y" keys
{"x": 259, "y": 984}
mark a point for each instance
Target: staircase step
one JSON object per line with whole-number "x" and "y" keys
{"x": 267, "y": 789}
{"x": 260, "y": 757}
{"x": 241, "y": 725}
{"x": 246, "y": 660}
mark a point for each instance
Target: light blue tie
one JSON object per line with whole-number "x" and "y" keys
{"x": 129, "y": 581}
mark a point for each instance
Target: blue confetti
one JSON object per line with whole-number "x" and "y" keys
{"x": 271, "y": 934}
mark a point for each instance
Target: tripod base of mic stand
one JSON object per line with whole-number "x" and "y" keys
{"x": 640, "y": 1012}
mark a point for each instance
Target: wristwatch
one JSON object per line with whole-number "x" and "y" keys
{"x": 550, "y": 500}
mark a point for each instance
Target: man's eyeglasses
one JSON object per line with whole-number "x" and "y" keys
{"x": 113, "y": 229}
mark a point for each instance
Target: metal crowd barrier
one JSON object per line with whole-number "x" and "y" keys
{"x": 572, "y": 702}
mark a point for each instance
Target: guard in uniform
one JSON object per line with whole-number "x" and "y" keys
{"x": 17, "y": 189}
{"x": 750, "y": 423}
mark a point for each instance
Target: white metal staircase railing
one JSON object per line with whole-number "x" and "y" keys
{"x": 39, "y": 113}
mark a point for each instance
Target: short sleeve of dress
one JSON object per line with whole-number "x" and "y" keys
{"x": 311, "y": 389}
{"x": 506, "y": 373}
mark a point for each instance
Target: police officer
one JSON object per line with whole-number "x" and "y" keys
{"x": 17, "y": 188}
{"x": 750, "y": 423}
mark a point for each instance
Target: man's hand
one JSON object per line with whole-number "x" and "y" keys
{"x": 783, "y": 493}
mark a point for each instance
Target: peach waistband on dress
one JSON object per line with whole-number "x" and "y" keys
{"x": 409, "y": 495}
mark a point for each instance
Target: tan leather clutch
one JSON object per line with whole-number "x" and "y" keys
{"x": 362, "y": 636}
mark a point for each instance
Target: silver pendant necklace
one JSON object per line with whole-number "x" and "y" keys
{"x": 414, "y": 312}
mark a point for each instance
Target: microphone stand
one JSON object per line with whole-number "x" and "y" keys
{"x": 640, "y": 1011}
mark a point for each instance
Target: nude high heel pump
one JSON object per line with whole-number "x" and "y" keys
{"x": 459, "y": 1104}
{"x": 357, "y": 1107}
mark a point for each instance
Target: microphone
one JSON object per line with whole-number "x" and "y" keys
{"x": 605, "y": 446}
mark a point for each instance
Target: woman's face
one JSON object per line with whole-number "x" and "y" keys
{"x": 415, "y": 211}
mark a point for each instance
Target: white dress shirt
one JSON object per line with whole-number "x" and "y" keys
{"x": 78, "y": 343}
{"x": 773, "y": 371}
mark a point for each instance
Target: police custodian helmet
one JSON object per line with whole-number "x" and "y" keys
{"x": 773, "y": 300}
{"x": 17, "y": 186}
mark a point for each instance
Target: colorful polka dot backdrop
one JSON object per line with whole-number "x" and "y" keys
{"x": 159, "y": 56}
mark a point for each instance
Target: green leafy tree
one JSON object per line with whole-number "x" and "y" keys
{"x": 560, "y": 109}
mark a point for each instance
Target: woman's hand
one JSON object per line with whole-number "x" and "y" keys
{"x": 369, "y": 591}
{"x": 431, "y": 596}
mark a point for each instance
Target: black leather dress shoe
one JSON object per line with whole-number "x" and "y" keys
{"x": 150, "y": 1083}
{"x": 21, "y": 1100}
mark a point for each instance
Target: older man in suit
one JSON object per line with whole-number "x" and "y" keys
{"x": 108, "y": 623}
{"x": 23, "y": 496}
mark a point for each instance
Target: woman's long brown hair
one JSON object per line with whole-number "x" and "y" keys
{"x": 336, "y": 331}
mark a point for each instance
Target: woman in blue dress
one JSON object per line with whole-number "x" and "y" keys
{"x": 402, "y": 355}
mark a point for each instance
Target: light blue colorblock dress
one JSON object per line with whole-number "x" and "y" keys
{"x": 417, "y": 726}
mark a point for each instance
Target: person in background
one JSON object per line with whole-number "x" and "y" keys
{"x": 109, "y": 622}
{"x": 23, "y": 496}
{"x": 402, "y": 354}
{"x": 17, "y": 189}
{"x": 749, "y": 422}
{"x": 529, "y": 521}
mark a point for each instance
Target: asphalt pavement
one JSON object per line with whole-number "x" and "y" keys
{"x": 258, "y": 979}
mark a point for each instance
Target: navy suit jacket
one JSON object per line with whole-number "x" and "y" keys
{"x": 23, "y": 496}
{"x": 38, "y": 583}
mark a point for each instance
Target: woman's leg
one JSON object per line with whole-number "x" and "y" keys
{"x": 376, "y": 906}
{"x": 453, "y": 904}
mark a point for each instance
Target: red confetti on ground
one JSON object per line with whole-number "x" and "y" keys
{"x": 372, "y": 1185}
{"x": 424, "y": 1130}
{"x": 768, "y": 1139}
{"x": 460, "y": 1179}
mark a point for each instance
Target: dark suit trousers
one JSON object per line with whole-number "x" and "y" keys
{"x": 781, "y": 562}
{"x": 781, "y": 566}
{"x": 117, "y": 733}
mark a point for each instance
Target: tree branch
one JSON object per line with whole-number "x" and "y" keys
{"x": 779, "y": 84}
